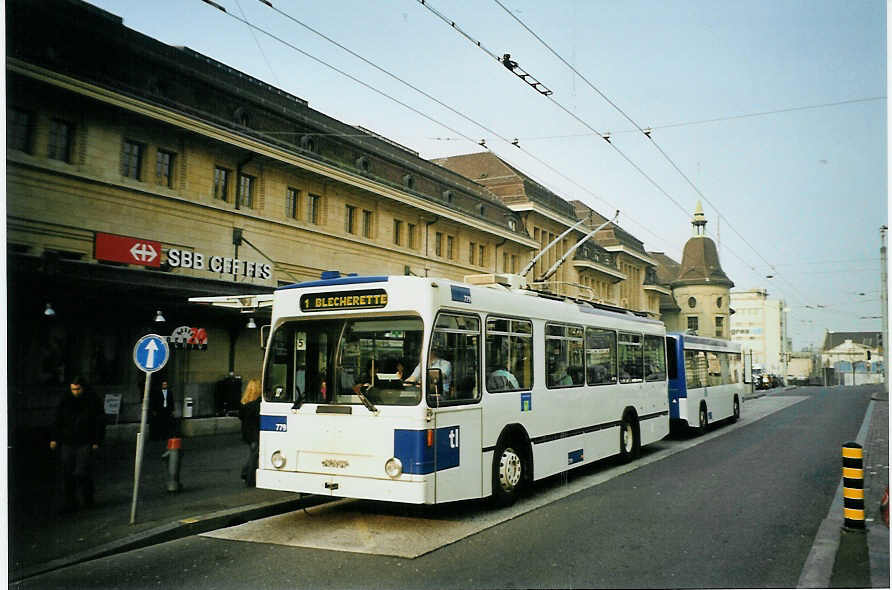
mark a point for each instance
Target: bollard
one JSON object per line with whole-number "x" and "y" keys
{"x": 172, "y": 456}
{"x": 853, "y": 485}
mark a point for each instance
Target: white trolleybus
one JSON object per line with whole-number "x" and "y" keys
{"x": 707, "y": 379}
{"x": 423, "y": 390}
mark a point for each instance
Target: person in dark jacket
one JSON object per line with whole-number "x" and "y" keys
{"x": 162, "y": 413}
{"x": 78, "y": 430}
{"x": 249, "y": 413}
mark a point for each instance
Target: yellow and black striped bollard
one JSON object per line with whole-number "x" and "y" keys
{"x": 853, "y": 485}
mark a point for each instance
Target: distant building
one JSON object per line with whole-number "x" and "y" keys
{"x": 759, "y": 323}
{"x": 854, "y": 357}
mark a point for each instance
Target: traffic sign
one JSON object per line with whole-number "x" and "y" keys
{"x": 151, "y": 353}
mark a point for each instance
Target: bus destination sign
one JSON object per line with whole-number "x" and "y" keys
{"x": 367, "y": 299}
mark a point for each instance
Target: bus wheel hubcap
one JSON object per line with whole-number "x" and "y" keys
{"x": 509, "y": 470}
{"x": 627, "y": 438}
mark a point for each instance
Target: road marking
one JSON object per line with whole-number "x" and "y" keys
{"x": 382, "y": 528}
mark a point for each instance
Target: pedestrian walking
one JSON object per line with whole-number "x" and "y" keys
{"x": 78, "y": 430}
{"x": 249, "y": 413}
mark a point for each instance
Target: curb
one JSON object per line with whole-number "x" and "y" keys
{"x": 818, "y": 567}
{"x": 172, "y": 531}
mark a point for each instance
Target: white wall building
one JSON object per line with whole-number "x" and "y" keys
{"x": 760, "y": 324}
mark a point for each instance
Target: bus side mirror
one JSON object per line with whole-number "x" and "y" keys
{"x": 434, "y": 381}
{"x": 264, "y": 335}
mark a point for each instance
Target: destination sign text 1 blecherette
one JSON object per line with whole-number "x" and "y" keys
{"x": 367, "y": 299}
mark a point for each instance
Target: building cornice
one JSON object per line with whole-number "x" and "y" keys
{"x": 536, "y": 208}
{"x": 622, "y": 249}
{"x": 600, "y": 268}
{"x": 657, "y": 289}
{"x": 218, "y": 133}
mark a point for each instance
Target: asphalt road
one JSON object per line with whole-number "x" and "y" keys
{"x": 740, "y": 510}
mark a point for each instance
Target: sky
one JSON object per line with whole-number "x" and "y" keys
{"x": 772, "y": 113}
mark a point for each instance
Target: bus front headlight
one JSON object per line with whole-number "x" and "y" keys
{"x": 393, "y": 467}
{"x": 278, "y": 459}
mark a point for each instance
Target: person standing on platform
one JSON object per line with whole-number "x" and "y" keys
{"x": 249, "y": 413}
{"x": 78, "y": 430}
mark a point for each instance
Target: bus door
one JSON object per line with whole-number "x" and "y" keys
{"x": 454, "y": 395}
{"x": 457, "y": 455}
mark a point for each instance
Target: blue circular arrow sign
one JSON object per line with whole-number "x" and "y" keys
{"x": 151, "y": 353}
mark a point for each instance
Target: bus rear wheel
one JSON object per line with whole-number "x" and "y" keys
{"x": 736, "y": 415}
{"x": 507, "y": 474}
{"x": 629, "y": 446}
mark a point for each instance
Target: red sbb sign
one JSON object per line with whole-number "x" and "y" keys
{"x": 113, "y": 248}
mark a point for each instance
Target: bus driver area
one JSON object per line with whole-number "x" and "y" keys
{"x": 397, "y": 530}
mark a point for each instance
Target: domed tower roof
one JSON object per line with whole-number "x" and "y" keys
{"x": 700, "y": 259}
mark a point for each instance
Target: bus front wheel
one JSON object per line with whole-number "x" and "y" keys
{"x": 736, "y": 416}
{"x": 507, "y": 474}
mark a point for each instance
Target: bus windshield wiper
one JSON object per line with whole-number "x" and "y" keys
{"x": 365, "y": 401}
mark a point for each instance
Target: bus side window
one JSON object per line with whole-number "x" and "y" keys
{"x": 455, "y": 350}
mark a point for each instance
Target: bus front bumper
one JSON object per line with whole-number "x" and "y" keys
{"x": 388, "y": 490}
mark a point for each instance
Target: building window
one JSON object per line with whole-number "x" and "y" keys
{"x": 397, "y": 231}
{"x": 450, "y": 247}
{"x": 221, "y": 183}
{"x": 313, "y": 204}
{"x": 291, "y": 199}
{"x": 131, "y": 160}
{"x": 472, "y": 252}
{"x": 61, "y": 134}
{"x": 693, "y": 323}
{"x": 481, "y": 260}
{"x": 350, "y": 219}
{"x": 246, "y": 191}
{"x": 164, "y": 168}
{"x": 504, "y": 262}
{"x": 692, "y": 302}
{"x": 367, "y": 223}
{"x": 513, "y": 263}
{"x": 438, "y": 244}
{"x": 719, "y": 326}
{"x": 18, "y": 130}
{"x": 412, "y": 236}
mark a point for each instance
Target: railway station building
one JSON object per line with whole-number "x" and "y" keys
{"x": 141, "y": 174}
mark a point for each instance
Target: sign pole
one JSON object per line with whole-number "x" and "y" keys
{"x": 150, "y": 354}
{"x": 140, "y": 446}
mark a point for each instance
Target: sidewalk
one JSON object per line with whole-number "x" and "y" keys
{"x": 213, "y": 495}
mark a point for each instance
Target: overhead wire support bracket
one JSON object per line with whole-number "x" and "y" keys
{"x": 520, "y": 73}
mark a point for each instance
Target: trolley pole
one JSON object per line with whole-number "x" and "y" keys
{"x": 884, "y": 302}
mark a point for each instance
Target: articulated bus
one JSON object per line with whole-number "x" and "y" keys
{"x": 423, "y": 390}
{"x": 707, "y": 379}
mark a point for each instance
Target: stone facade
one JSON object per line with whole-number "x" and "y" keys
{"x": 234, "y": 186}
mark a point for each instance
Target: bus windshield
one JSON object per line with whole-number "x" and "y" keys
{"x": 336, "y": 361}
